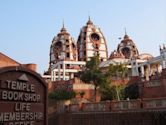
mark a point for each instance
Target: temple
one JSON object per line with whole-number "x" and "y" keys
{"x": 68, "y": 58}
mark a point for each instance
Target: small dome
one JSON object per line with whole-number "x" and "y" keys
{"x": 89, "y": 22}
{"x": 126, "y": 36}
{"x": 127, "y": 48}
{"x": 63, "y": 31}
{"x": 115, "y": 54}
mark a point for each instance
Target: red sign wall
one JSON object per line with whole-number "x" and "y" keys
{"x": 23, "y": 97}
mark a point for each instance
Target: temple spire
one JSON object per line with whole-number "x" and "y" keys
{"x": 63, "y": 26}
{"x": 89, "y": 21}
{"x": 125, "y": 36}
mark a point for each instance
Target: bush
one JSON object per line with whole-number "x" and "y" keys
{"x": 62, "y": 95}
{"x": 132, "y": 91}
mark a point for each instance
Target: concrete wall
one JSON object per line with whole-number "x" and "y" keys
{"x": 107, "y": 118}
{"x": 155, "y": 87}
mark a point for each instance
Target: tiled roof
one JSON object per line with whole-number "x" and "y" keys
{"x": 7, "y": 61}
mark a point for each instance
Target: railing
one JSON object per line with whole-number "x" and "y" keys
{"x": 153, "y": 83}
{"x": 102, "y": 106}
{"x": 125, "y": 105}
{"x": 154, "y": 103}
{"x": 74, "y": 108}
{"x": 116, "y": 106}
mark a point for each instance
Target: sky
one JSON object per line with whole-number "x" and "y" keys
{"x": 27, "y": 27}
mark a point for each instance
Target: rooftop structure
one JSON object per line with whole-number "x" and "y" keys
{"x": 91, "y": 41}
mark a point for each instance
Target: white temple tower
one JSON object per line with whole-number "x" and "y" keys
{"x": 91, "y": 41}
{"x": 63, "y": 48}
{"x": 63, "y": 57}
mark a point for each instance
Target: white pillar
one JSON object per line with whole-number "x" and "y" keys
{"x": 142, "y": 71}
{"x": 149, "y": 70}
{"x": 59, "y": 72}
{"x": 63, "y": 70}
{"x": 134, "y": 67}
{"x": 54, "y": 75}
{"x": 163, "y": 57}
{"x": 163, "y": 64}
{"x": 159, "y": 68}
{"x": 72, "y": 75}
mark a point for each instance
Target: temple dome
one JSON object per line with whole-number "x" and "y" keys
{"x": 91, "y": 41}
{"x": 63, "y": 47}
{"x": 115, "y": 54}
{"x": 128, "y": 48}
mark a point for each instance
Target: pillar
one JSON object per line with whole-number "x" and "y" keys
{"x": 64, "y": 70}
{"x": 59, "y": 72}
{"x": 142, "y": 71}
{"x": 149, "y": 70}
{"x": 134, "y": 66}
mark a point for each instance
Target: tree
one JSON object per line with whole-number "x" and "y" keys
{"x": 92, "y": 74}
{"x": 62, "y": 95}
{"x": 132, "y": 91}
{"x": 118, "y": 71}
{"x": 119, "y": 89}
{"x": 107, "y": 92}
{"x": 82, "y": 93}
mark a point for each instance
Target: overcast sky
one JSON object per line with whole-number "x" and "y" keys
{"x": 27, "y": 27}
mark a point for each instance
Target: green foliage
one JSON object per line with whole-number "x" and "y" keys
{"x": 93, "y": 64}
{"x": 119, "y": 70}
{"x": 92, "y": 74}
{"x": 115, "y": 92}
{"x": 132, "y": 91}
{"x": 62, "y": 95}
{"x": 82, "y": 93}
{"x": 120, "y": 92}
{"x": 107, "y": 93}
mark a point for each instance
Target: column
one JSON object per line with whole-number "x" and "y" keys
{"x": 63, "y": 70}
{"x": 59, "y": 72}
{"x": 159, "y": 68}
{"x": 164, "y": 66}
{"x": 142, "y": 71}
{"x": 134, "y": 67}
{"x": 72, "y": 75}
{"x": 54, "y": 75}
{"x": 149, "y": 69}
{"x": 148, "y": 72}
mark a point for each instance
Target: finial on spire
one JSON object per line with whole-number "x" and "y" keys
{"x": 63, "y": 27}
{"x": 125, "y": 31}
{"x": 125, "y": 36}
{"x": 63, "y": 24}
{"x": 89, "y": 21}
{"x": 89, "y": 18}
{"x": 89, "y": 15}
